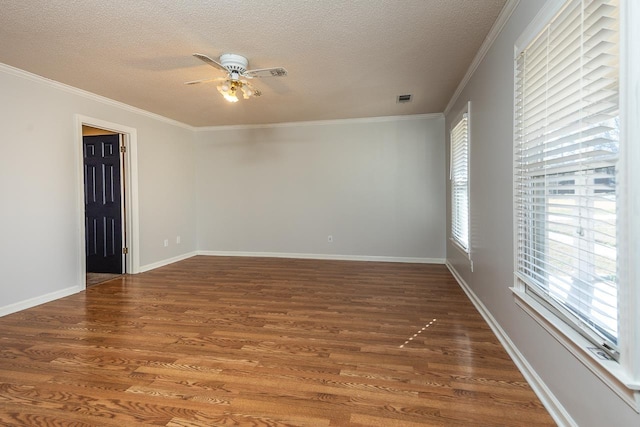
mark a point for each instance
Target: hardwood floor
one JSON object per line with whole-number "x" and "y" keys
{"x": 215, "y": 341}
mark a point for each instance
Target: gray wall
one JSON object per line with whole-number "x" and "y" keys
{"x": 376, "y": 186}
{"x": 490, "y": 90}
{"x": 39, "y": 182}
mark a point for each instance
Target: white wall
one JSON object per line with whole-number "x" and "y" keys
{"x": 376, "y": 186}
{"x": 39, "y": 228}
{"x": 588, "y": 401}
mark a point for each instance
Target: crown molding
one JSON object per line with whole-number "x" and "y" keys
{"x": 8, "y": 69}
{"x": 495, "y": 31}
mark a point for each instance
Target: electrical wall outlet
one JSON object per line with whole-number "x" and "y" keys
{"x": 330, "y": 238}
{"x": 166, "y": 242}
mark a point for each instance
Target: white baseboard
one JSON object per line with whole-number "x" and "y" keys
{"x": 324, "y": 257}
{"x": 32, "y": 302}
{"x": 167, "y": 261}
{"x": 550, "y": 402}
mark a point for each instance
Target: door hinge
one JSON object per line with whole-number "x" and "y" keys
{"x": 123, "y": 149}
{"x": 125, "y": 251}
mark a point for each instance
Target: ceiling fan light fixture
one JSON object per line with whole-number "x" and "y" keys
{"x": 246, "y": 91}
{"x": 231, "y": 97}
{"x": 228, "y": 90}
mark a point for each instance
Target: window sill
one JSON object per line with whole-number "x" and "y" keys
{"x": 462, "y": 250}
{"x": 609, "y": 371}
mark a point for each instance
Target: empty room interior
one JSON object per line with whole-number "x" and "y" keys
{"x": 363, "y": 212}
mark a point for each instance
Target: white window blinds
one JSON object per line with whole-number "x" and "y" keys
{"x": 460, "y": 182}
{"x": 566, "y": 148}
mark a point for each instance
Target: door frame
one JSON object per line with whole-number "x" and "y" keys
{"x": 129, "y": 138}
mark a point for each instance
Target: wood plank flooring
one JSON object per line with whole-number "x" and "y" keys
{"x": 218, "y": 341}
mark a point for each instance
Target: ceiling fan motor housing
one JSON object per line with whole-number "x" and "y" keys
{"x": 234, "y": 63}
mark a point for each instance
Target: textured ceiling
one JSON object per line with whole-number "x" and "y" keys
{"x": 345, "y": 58}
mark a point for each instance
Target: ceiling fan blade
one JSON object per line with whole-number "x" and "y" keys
{"x": 195, "y": 82}
{"x": 206, "y": 59}
{"x": 265, "y": 72}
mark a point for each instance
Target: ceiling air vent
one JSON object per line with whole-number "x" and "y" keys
{"x": 404, "y": 98}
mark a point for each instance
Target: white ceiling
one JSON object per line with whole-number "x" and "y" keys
{"x": 345, "y": 58}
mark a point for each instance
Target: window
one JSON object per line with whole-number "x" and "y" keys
{"x": 459, "y": 171}
{"x": 567, "y": 141}
{"x": 569, "y": 191}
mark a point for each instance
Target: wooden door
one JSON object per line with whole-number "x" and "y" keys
{"x": 103, "y": 206}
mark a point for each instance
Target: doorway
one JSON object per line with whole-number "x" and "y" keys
{"x": 104, "y": 203}
{"x": 108, "y": 200}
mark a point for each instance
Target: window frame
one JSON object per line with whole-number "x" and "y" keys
{"x": 622, "y": 375}
{"x": 465, "y": 113}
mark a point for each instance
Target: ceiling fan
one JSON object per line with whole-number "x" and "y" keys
{"x": 236, "y": 68}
